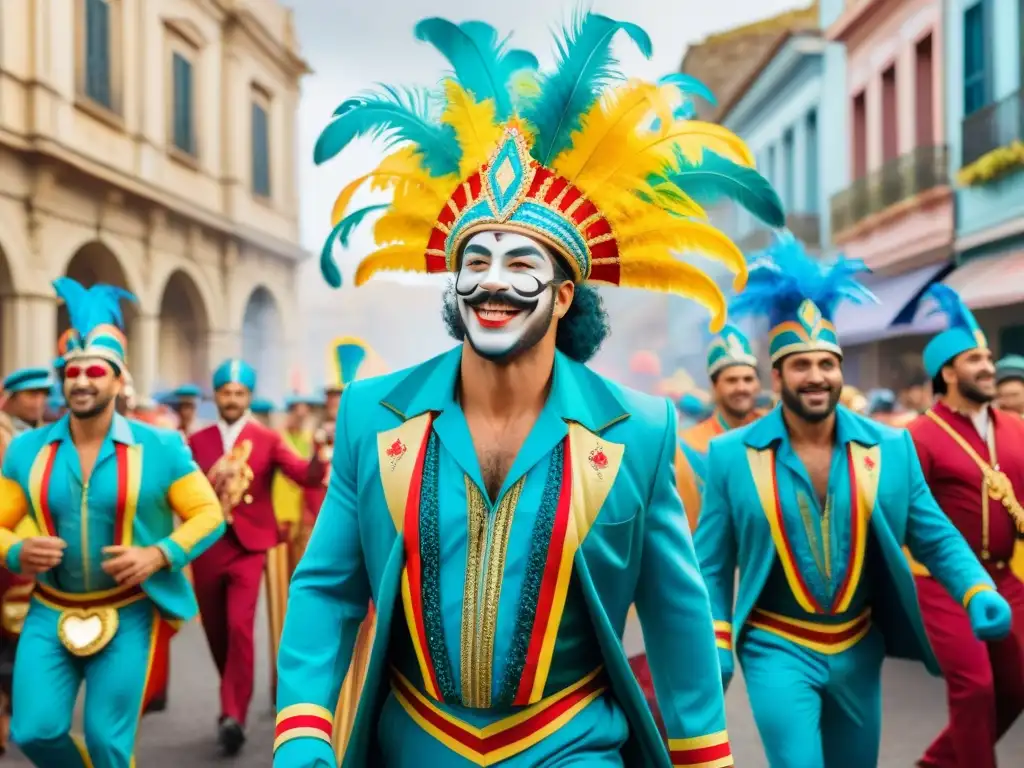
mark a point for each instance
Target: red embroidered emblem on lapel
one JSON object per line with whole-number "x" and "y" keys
{"x": 395, "y": 452}
{"x": 598, "y": 460}
{"x": 869, "y": 464}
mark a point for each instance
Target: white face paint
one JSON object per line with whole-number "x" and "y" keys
{"x": 505, "y": 293}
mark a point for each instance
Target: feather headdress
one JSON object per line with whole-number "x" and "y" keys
{"x": 345, "y": 356}
{"x": 963, "y": 334}
{"x": 97, "y": 323}
{"x": 609, "y": 173}
{"x": 799, "y": 296}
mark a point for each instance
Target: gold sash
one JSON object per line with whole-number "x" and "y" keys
{"x": 997, "y": 485}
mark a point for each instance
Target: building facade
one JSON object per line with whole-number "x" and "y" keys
{"x": 985, "y": 123}
{"x": 891, "y": 201}
{"x": 151, "y": 146}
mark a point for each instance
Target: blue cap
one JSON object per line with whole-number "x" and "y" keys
{"x": 187, "y": 391}
{"x": 313, "y": 401}
{"x": 963, "y": 334}
{"x": 1010, "y": 367}
{"x": 97, "y": 324}
{"x": 27, "y": 380}
{"x": 261, "y": 406}
{"x": 692, "y": 406}
{"x": 235, "y": 371}
{"x": 881, "y": 400}
{"x": 799, "y": 295}
{"x": 730, "y": 347}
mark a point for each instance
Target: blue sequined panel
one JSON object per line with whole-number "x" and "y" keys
{"x": 556, "y": 226}
{"x": 430, "y": 564}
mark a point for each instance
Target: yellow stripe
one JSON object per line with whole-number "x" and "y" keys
{"x": 298, "y": 733}
{"x": 764, "y": 481}
{"x": 723, "y": 643}
{"x": 723, "y": 626}
{"x": 83, "y": 752}
{"x": 410, "y": 618}
{"x": 131, "y": 505}
{"x": 547, "y": 650}
{"x": 510, "y": 750}
{"x": 35, "y": 488}
{"x": 864, "y": 494}
{"x": 698, "y": 742}
{"x": 813, "y": 626}
{"x": 829, "y": 649}
{"x": 973, "y": 591}
{"x": 298, "y": 710}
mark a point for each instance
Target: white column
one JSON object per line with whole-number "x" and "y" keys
{"x": 29, "y": 327}
{"x": 144, "y": 353}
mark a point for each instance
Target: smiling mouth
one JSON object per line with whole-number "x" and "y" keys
{"x": 491, "y": 315}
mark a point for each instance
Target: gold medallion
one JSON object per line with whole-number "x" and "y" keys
{"x": 87, "y": 631}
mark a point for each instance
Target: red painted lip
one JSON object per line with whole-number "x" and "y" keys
{"x": 492, "y": 324}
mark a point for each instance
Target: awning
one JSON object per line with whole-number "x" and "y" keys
{"x": 897, "y": 296}
{"x": 991, "y": 281}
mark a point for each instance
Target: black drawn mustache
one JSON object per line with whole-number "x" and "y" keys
{"x": 518, "y": 299}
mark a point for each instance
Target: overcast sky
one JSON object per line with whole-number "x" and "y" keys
{"x": 352, "y": 45}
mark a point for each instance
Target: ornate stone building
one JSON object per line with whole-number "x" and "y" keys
{"x": 152, "y": 144}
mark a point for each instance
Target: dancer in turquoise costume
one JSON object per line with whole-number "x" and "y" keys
{"x": 812, "y": 503}
{"x": 103, "y": 492}
{"x": 501, "y": 504}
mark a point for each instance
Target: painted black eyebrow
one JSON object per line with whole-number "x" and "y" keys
{"x": 526, "y": 250}
{"x": 474, "y": 249}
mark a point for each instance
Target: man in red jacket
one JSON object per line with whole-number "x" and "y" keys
{"x": 973, "y": 459}
{"x": 240, "y": 456}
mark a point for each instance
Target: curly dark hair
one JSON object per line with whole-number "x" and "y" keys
{"x": 580, "y": 333}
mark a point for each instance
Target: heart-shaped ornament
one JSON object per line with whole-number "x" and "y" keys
{"x": 85, "y": 631}
{"x": 81, "y": 632}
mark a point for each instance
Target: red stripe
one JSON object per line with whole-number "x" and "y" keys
{"x": 304, "y": 721}
{"x": 817, "y": 636}
{"x": 546, "y": 597}
{"x": 722, "y": 634}
{"x": 59, "y": 601}
{"x": 411, "y": 532}
{"x": 159, "y": 664}
{"x": 121, "y": 454}
{"x": 684, "y": 757}
{"x": 44, "y": 491}
{"x": 501, "y": 739}
{"x": 785, "y": 540}
{"x": 855, "y": 523}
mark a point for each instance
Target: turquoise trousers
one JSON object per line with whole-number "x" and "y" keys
{"x": 814, "y": 710}
{"x": 46, "y": 683}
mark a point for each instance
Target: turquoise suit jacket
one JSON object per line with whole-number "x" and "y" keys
{"x": 625, "y": 511}
{"x": 737, "y": 528}
{"x": 142, "y": 477}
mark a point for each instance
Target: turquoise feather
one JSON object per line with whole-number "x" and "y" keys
{"x": 92, "y": 307}
{"x": 328, "y": 268}
{"x": 348, "y": 224}
{"x": 688, "y": 87}
{"x": 399, "y": 116}
{"x": 585, "y": 67}
{"x": 350, "y": 357}
{"x": 480, "y": 61}
{"x": 949, "y": 303}
{"x": 716, "y": 178}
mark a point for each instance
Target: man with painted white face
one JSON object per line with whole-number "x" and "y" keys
{"x": 502, "y": 504}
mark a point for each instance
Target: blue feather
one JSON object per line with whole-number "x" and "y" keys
{"x": 328, "y": 268}
{"x": 783, "y": 275}
{"x": 399, "y": 116}
{"x": 585, "y": 67}
{"x": 350, "y": 357}
{"x": 92, "y": 307}
{"x": 348, "y": 224}
{"x": 949, "y": 303}
{"x": 480, "y": 61}
{"x": 716, "y": 177}
{"x": 688, "y": 87}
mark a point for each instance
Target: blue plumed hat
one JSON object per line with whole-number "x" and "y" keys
{"x": 799, "y": 296}
{"x": 97, "y": 323}
{"x": 728, "y": 348}
{"x": 963, "y": 334}
{"x": 345, "y": 357}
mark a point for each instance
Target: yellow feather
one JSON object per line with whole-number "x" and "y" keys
{"x": 398, "y": 258}
{"x": 671, "y": 234}
{"x": 399, "y": 170}
{"x": 609, "y": 124}
{"x": 397, "y": 226}
{"x": 694, "y": 137}
{"x": 668, "y": 275}
{"x": 475, "y": 127}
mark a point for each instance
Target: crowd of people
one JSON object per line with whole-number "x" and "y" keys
{"x": 451, "y": 553}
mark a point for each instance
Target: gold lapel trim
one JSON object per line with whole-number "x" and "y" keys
{"x": 133, "y": 469}
{"x": 397, "y": 450}
{"x": 866, "y": 468}
{"x": 595, "y": 465}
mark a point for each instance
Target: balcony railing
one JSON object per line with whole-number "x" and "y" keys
{"x": 900, "y": 179}
{"x": 993, "y": 126}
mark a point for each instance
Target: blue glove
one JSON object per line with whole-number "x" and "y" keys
{"x": 990, "y": 615}
{"x": 725, "y": 662}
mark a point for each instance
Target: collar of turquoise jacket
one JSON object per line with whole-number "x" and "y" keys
{"x": 577, "y": 393}
{"x": 770, "y": 429}
{"x": 120, "y": 430}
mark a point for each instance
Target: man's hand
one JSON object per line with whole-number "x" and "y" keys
{"x": 130, "y": 566}
{"x": 990, "y": 615}
{"x": 41, "y": 553}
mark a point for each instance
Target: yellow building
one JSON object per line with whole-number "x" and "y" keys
{"x": 151, "y": 144}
